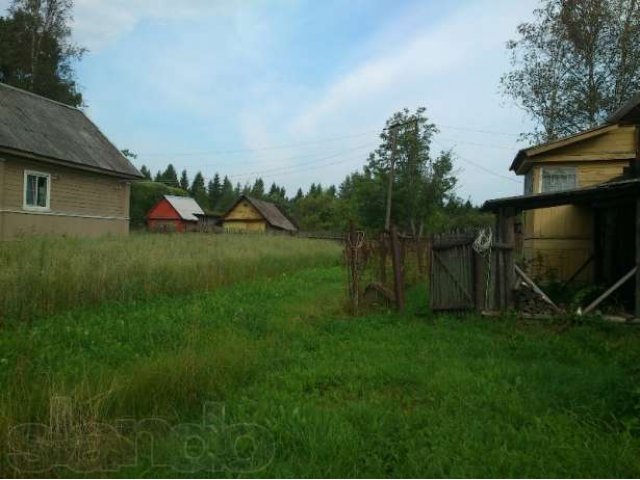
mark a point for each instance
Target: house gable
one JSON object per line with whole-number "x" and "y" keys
{"x": 163, "y": 210}
{"x": 245, "y": 211}
{"x": 610, "y": 143}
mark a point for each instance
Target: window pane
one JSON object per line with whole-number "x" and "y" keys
{"x": 557, "y": 179}
{"x": 31, "y": 190}
{"x": 42, "y": 191}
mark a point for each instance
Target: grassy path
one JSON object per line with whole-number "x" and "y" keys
{"x": 311, "y": 392}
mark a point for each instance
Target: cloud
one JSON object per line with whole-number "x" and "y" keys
{"x": 98, "y": 23}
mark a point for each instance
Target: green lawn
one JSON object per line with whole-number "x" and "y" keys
{"x": 291, "y": 386}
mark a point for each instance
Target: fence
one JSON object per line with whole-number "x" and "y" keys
{"x": 466, "y": 270}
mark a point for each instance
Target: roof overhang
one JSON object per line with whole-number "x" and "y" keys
{"x": 606, "y": 192}
{"x": 527, "y": 153}
{"x": 64, "y": 163}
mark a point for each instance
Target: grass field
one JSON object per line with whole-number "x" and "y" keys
{"x": 266, "y": 376}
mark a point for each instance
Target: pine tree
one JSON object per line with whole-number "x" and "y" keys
{"x": 145, "y": 172}
{"x": 214, "y": 191}
{"x": 258, "y": 188}
{"x": 170, "y": 176}
{"x": 184, "y": 181}
{"x": 198, "y": 190}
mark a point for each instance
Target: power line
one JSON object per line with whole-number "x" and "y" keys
{"x": 481, "y": 167}
{"x": 248, "y": 150}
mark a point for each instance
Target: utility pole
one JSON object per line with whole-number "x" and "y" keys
{"x": 392, "y": 132}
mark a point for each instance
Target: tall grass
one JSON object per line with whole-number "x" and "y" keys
{"x": 42, "y": 276}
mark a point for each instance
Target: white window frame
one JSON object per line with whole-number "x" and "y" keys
{"x": 33, "y": 173}
{"x": 541, "y": 179}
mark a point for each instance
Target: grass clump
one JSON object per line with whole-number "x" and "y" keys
{"x": 326, "y": 395}
{"x": 41, "y": 276}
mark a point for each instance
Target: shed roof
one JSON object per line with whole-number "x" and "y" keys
{"x": 270, "y": 211}
{"x": 614, "y": 190}
{"x": 51, "y": 131}
{"x": 186, "y": 207}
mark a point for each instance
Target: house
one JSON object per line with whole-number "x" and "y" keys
{"x": 174, "y": 214}
{"x": 558, "y": 240}
{"x": 59, "y": 175}
{"x": 249, "y": 214}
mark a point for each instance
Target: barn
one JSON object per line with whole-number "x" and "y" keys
{"x": 174, "y": 214}
{"x": 59, "y": 175}
{"x": 249, "y": 214}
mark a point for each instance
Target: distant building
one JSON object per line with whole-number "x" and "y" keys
{"x": 249, "y": 214}
{"x": 174, "y": 214}
{"x": 59, "y": 175}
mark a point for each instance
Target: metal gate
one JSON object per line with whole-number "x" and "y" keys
{"x": 451, "y": 282}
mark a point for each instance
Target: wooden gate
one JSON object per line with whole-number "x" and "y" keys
{"x": 452, "y": 275}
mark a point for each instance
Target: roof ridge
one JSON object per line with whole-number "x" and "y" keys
{"x": 41, "y": 97}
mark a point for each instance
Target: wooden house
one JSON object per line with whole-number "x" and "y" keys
{"x": 174, "y": 214}
{"x": 59, "y": 175}
{"x": 249, "y": 214}
{"x": 563, "y": 238}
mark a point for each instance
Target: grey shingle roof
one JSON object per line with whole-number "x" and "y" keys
{"x": 51, "y": 130}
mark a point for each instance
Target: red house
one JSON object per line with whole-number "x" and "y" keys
{"x": 174, "y": 214}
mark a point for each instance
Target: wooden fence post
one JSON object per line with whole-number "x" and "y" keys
{"x": 397, "y": 269}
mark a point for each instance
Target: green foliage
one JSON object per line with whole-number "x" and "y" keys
{"x": 36, "y": 53}
{"x": 198, "y": 191}
{"x": 41, "y": 276}
{"x": 387, "y": 395}
{"x": 575, "y": 64}
{"x": 144, "y": 195}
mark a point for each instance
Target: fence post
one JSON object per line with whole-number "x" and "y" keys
{"x": 397, "y": 269}
{"x": 480, "y": 275}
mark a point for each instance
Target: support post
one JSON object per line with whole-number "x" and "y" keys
{"x": 637, "y": 286}
{"x": 480, "y": 276}
{"x": 397, "y": 269}
{"x": 509, "y": 237}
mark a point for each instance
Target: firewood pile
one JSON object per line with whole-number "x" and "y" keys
{"x": 529, "y": 302}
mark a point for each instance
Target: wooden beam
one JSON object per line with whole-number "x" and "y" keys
{"x": 611, "y": 289}
{"x": 535, "y": 288}
{"x": 397, "y": 269}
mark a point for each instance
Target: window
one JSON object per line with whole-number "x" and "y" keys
{"x": 36, "y": 190}
{"x": 554, "y": 179}
{"x": 528, "y": 183}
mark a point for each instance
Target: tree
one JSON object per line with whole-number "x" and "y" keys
{"x": 198, "y": 190}
{"x": 36, "y": 53}
{"x": 170, "y": 176}
{"x": 257, "y": 190}
{"x": 227, "y": 195}
{"x": 145, "y": 172}
{"x": 214, "y": 191}
{"x": 421, "y": 184}
{"x": 575, "y": 64}
{"x": 184, "y": 180}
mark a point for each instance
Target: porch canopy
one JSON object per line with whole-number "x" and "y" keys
{"x": 607, "y": 193}
{"x": 616, "y": 205}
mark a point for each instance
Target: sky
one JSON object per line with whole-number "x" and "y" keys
{"x": 297, "y": 91}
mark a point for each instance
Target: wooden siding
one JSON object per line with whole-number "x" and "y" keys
{"x": 82, "y": 203}
{"x": 257, "y": 226}
{"x": 616, "y": 144}
{"x": 244, "y": 218}
{"x": 558, "y": 240}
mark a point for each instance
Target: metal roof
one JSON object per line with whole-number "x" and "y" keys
{"x": 51, "y": 131}
{"x": 186, "y": 207}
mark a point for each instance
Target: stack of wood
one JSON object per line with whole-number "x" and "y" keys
{"x": 529, "y": 302}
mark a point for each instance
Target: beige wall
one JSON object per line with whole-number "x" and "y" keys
{"x": 82, "y": 203}
{"x": 244, "y": 226}
{"x": 558, "y": 240}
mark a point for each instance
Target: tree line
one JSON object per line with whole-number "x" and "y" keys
{"x": 423, "y": 186}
